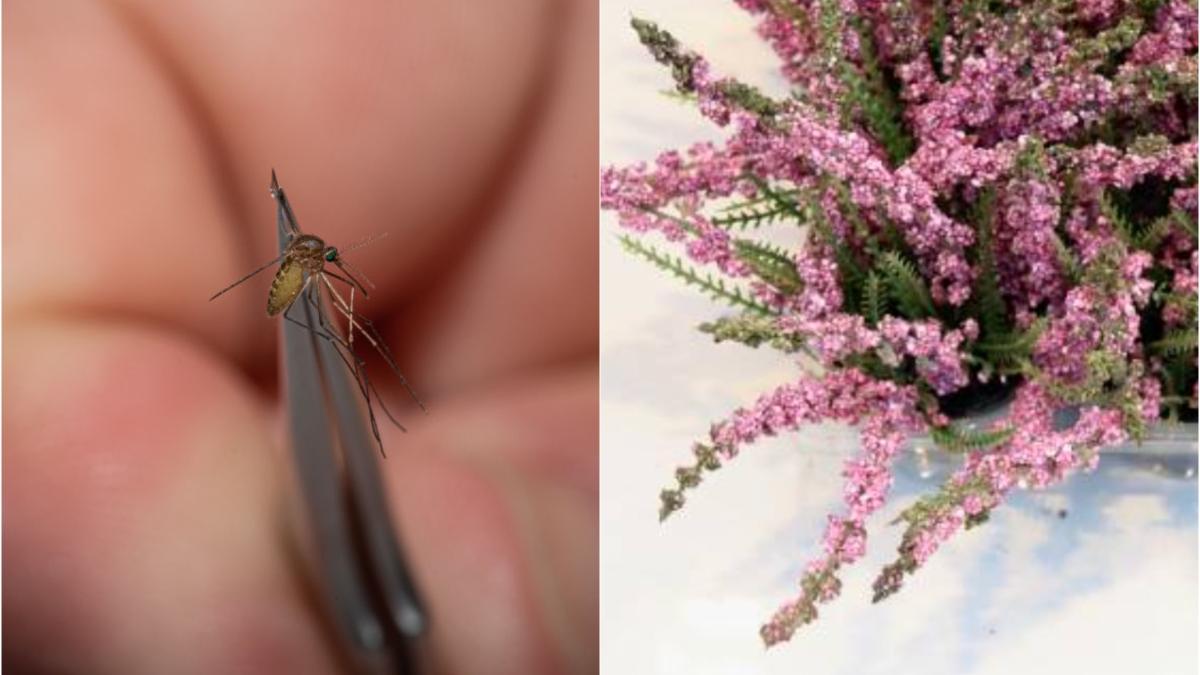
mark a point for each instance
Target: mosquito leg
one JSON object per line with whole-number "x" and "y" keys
{"x": 303, "y": 325}
{"x": 367, "y": 328}
{"x": 348, "y": 312}
{"x": 358, "y": 368}
{"x": 318, "y": 331}
{"x": 349, "y": 280}
{"x": 366, "y": 388}
{"x": 245, "y": 278}
{"x": 353, "y": 272}
{"x": 361, "y": 365}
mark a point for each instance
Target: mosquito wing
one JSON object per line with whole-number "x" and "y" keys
{"x": 289, "y": 280}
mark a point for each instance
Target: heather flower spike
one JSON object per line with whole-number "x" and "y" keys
{"x": 998, "y": 203}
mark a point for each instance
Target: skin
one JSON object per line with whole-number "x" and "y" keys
{"x": 148, "y": 509}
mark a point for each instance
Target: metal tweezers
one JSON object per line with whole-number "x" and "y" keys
{"x": 358, "y": 559}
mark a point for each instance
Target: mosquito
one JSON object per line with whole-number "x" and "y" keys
{"x": 304, "y": 270}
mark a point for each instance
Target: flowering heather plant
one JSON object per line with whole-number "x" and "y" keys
{"x": 998, "y": 201}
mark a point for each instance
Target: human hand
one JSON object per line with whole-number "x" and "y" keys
{"x": 145, "y": 479}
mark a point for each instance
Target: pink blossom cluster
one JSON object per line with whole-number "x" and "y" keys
{"x": 989, "y": 192}
{"x": 845, "y": 395}
{"x": 950, "y": 158}
{"x": 1038, "y": 455}
{"x": 938, "y": 353}
{"x": 1026, "y": 222}
{"x": 1174, "y": 35}
{"x": 806, "y": 148}
{"x": 636, "y": 192}
{"x": 888, "y": 414}
{"x": 1100, "y": 165}
{"x": 1095, "y": 319}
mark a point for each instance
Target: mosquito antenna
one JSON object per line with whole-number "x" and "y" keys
{"x": 351, "y": 269}
{"x": 364, "y": 241}
{"x": 245, "y": 278}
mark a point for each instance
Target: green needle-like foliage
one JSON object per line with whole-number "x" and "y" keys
{"x": 772, "y": 264}
{"x": 1010, "y": 353}
{"x": 750, "y": 217}
{"x": 954, "y": 438}
{"x": 753, "y": 330}
{"x": 716, "y": 288}
{"x": 1179, "y": 342}
{"x": 870, "y": 92}
{"x": 987, "y": 304}
{"x": 874, "y": 299}
{"x": 908, "y": 289}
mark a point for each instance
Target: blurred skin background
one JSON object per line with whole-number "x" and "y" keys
{"x": 145, "y": 476}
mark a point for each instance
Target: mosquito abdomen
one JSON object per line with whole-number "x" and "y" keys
{"x": 285, "y": 287}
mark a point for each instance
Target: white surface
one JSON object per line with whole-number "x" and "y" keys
{"x": 1111, "y": 588}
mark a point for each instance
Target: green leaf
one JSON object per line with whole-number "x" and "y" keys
{"x": 751, "y": 217}
{"x": 868, "y": 90}
{"x": 987, "y": 303}
{"x": 772, "y": 264}
{"x": 1152, "y": 236}
{"x": 874, "y": 299}
{"x": 686, "y": 98}
{"x": 716, "y": 288}
{"x": 937, "y": 33}
{"x": 851, "y": 273}
{"x": 907, "y": 287}
{"x": 1010, "y": 352}
{"x": 954, "y": 438}
{"x": 1113, "y": 205}
{"x": 1185, "y": 222}
{"x": 1121, "y": 223}
{"x": 1067, "y": 261}
{"x": 1179, "y": 342}
{"x": 753, "y": 330}
{"x": 781, "y": 199}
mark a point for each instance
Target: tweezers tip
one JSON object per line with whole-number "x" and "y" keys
{"x": 411, "y": 620}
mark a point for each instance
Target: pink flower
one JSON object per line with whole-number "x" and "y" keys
{"x": 1038, "y": 167}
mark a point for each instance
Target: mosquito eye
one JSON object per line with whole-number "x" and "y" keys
{"x": 331, "y": 254}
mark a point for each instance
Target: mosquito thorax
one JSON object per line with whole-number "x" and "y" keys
{"x": 307, "y": 244}
{"x": 307, "y": 250}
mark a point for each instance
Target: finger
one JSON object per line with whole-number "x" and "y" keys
{"x": 145, "y": 141}
{"x": 496, "y": 495}
{"x": 147, "y": 523}
{"x": 397, "y": 118}
{"x": 113, "y": 208}
{"x": 526, "y": 293}
{"x": 141, "y": 526}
